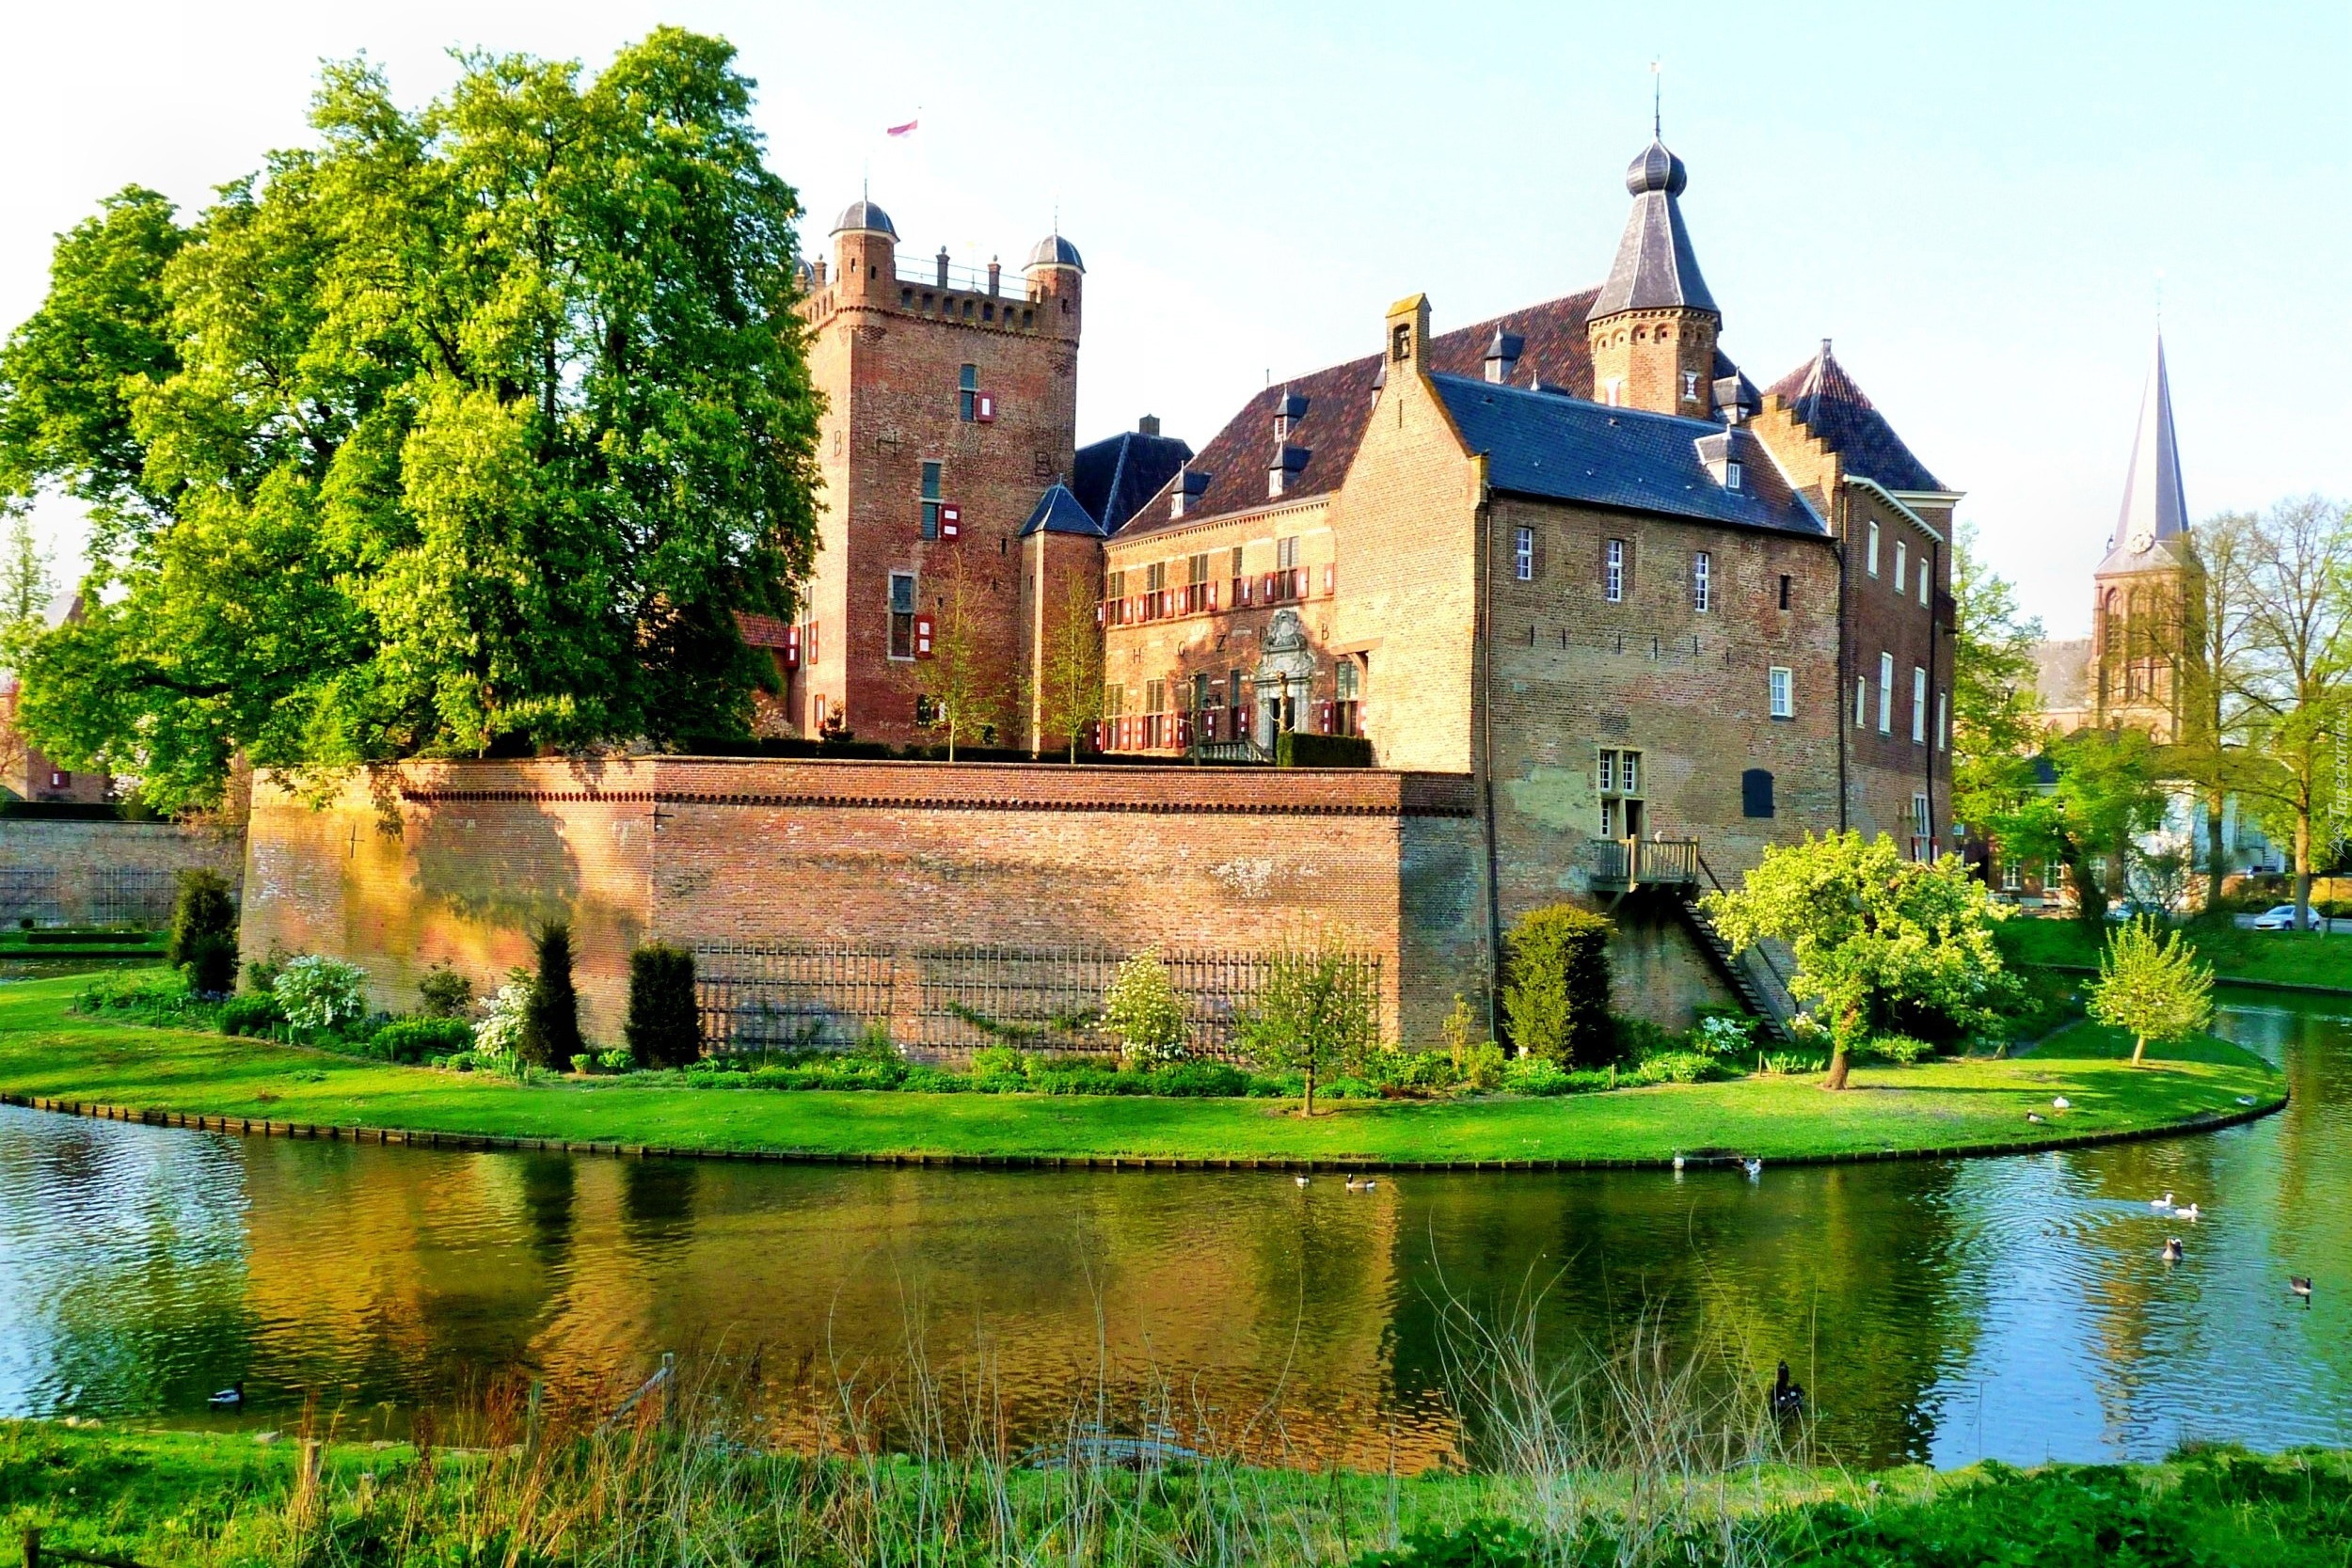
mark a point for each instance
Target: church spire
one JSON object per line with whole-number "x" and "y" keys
{"x": 2153, "y": 508}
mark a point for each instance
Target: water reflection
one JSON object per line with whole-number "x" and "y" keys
{"x": 2014, "y": 1307}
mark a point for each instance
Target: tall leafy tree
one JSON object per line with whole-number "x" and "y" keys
{"x": 2106, "y": 792}
{"x": 1070, "y": 695}
{"x": 1994, "y": 707}
{"x": 963, "y": 695}
{"x": 468, "y": 427}
{"x": 2297, "y": 681}
{"x": 2211, "y": 670}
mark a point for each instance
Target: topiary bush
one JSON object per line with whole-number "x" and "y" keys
{"x": 204, "y": 932}
{"x": 1555, "y": 988}
{"x": 1301, "y": 749}
{"x": 317, "y": 992}
{"x": 664, "y": 1027}
{"x": 251, "y": 1013}
{"x": 550, "y": 1021}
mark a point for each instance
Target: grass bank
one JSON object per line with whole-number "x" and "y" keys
{"x": 2266, "y": 958}
{"x": 47, "y": 1051}
{"x": 642, "y": 1496}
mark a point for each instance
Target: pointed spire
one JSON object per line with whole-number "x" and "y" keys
{"x": 1655, "y": 267}
{"x": 2153, "y": 507}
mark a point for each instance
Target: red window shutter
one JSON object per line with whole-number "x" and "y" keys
{"x": 984, "y": 407}
{"x": 792, "y": 647}
{"x": 922, "y": 637}
{"x": 950, "y": 522}
{"x": 1099, "y": 617}
{"x": 1322, "y": 718}
{"x": 1328, "y": 578}
{"x": 1212, "y": 596}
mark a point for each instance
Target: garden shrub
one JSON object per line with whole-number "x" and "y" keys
{"x": 261, "y": 974}
{"x": 318, "y": 992}
{"x": 250, "y": 1014}
{"x": 1201, "y": 1079}
{"x": 1143, "y": 1012}
{"x": 419, "y": 1039}
{"x": 619, "y": 1059}
{"x": 1639, "y": 1038}
{"x": 1726, "y": 1034}
{"x": 584, "y": 1064}
{"x": 1904, "y": 1050}
{"x": 1678, "y": 1067}
{"x": 158, "y": 996}
{"x": 664, "y": 1027}
{"x": 498, "y": 1035}
{"x": 204, "y": 932}
{"x": 444, "y": 994}
{"x": 1536, "y": 1075}
{"x": 1555, "y": 988}
{"x": 1485, "y": 1067}
{"x": 550, "y": 1021}
{"x": 1300, "y": 749}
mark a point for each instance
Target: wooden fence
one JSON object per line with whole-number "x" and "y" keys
{"x": 957, "y": 999}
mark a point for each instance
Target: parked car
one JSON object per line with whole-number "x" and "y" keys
{"x": 2133, "y": 909}
{"x": 2279, "y": 917}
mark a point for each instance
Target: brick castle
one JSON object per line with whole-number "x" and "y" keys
{"x": 1615, "y": 619}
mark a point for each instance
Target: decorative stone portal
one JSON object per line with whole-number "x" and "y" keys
{"x": 1286, "y": 674}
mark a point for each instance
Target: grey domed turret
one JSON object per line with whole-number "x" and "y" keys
{"x": 1656, "y": 169}
{"x": 1053, "y": 252}
{"x": 1655, "y": 268}
{"x": 862, "y": 214}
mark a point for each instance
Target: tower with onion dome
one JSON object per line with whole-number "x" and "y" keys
{"x": 1652, "y": 329}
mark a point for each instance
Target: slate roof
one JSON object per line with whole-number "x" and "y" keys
{"x": 1053, "y": 252}
{"x": 1339, "y": 401}
{"x": 862, "y": 214}
{"x": 1566, "y": 449}
{"x": 1835, "y": 409}
{"x": 2151, "y": 489}
{"x": 1655, "y": 267}
{"x": 1115, "y": 478}
{"x": 1059, "y": 512}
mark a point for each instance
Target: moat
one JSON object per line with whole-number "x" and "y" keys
{"x": 2012, "y": 1307}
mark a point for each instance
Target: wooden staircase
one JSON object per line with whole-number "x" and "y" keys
{"x": 1743, "y": 983}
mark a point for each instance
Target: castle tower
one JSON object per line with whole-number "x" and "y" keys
{"x": 950, "y": 409}
{"x": 2148, "y": 594}
{"x": 1653, "y": 329}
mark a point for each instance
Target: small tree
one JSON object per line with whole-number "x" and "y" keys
{"x": 1069, "y": 685}
{"x": 962, "y": 690}
{"x": 1313, "y": 1016}
{"x": 664, "y": 1027}
{"x": 551, "y": 1030}
{"x": 1875, "y": 935}
{"x": 1555, "y": 988}
{"x": 204, "y": 932}
{"x": 1143, "y": 1010}
{"x": 442, "y": 992}
{"x": 2152, "y": 986}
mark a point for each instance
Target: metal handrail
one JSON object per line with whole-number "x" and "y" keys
{"x": 1011, "y": 283}
{"x": 1763, "y": 954}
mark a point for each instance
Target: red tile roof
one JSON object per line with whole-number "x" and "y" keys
{"x": 761, "y": 631}
{"x": 1835, "y": 408}
{"x": 1339, "y": 401}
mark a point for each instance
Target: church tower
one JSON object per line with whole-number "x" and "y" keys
{"x": 1653, "y": 329}
{"x": 2148, "y": 594}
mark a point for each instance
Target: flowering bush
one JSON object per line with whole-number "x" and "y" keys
{"x": 1723, "y": 1037}
{"x": 502, "y": 1026}
{"x": 1143, "y": 1010}
{"x": 317, "y": 992}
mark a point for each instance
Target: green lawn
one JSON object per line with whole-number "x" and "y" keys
{"x": 47, "y": 1051}
{"x": 2296, "y": 958}
{"x": 640, "y": 1497}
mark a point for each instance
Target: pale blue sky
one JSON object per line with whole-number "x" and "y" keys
{"x": 1974, "y": 201}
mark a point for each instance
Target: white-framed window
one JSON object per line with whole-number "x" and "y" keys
{"x": 1943, "y": 721}
{"x": 1886, "y": 693}
{"x": 1871, "y": 561}
{"x": 1620, "y": 778}
{"x": 1919, "y": 706}
{"x": 1861, "y": 701}
{"x": 1902, "y": 566}
{"x": 1690, "y": 391}
{"x": 1613, "y": 393}
{"x": 1924, "y": 580}
{"x": 1782, "y": 687}
{"x": 1702, "y": 581}
{"x": 1612, "y": 572}
{"x": 1524, "y": 554}
{"x": 2012, "y": 876}
{"x": 1919, "y": 823}
{"x": 1734, "y": 474}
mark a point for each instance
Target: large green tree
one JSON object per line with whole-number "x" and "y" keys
{"x": 2106, "y": 791}
{"x": 1995, "y": 709}
{"x": 467, "y": 428}
{"x": 1877, "y": 937}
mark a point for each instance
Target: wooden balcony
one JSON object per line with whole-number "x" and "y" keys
{"x": 1624, "y": 863}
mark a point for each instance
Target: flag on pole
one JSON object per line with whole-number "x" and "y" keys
{"x": 906, "y": 130}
